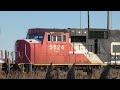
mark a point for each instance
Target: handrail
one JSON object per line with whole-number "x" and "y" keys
{"x": 13, "y": 55}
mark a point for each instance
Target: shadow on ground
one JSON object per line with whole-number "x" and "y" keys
{"x": 49, "y": 72}
{"x": 71, "y": 72}
{"x": 105, "y": 72}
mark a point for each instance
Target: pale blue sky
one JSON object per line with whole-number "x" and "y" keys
{"x": 14, "y": 24}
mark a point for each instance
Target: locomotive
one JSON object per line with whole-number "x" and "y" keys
{"x": 65, "y": 47}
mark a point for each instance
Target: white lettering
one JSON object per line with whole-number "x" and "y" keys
{"x": 56, "y": 47}
{"x": 50, "y": 47}
{"x": 62, "y": 47}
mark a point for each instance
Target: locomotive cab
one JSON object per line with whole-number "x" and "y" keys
{"x": 43, "y": 47}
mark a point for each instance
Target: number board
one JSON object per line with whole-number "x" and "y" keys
{"x": 57, "y": 48}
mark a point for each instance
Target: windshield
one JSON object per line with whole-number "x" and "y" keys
{"x": 35, "y": 36}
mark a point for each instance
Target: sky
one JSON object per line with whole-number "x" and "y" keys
{"x": 15, "y": 24}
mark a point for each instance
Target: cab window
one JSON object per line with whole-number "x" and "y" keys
{"x": 56, "y": 38}
{"x": 64, "y": 38}
{"x": 49, "y": 37}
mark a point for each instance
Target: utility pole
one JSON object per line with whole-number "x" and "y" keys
{"x": 108, "y": 20}
{"x": 108, "y": 29}
{"x": 108, "y": 23}
{"x": 88, "y": 22}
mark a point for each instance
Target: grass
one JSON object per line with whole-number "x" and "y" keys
{"x": 59, "y": 74}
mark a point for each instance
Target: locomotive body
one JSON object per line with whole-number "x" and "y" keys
{"x": 68, "y": 46}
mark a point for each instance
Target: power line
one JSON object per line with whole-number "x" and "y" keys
{"x": 88, "y": 22}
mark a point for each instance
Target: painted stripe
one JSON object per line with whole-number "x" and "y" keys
{"x": 69, "y": 64}
{"x": 91, "y": 57}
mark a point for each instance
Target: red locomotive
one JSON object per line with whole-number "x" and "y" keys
{"x": 45, "y": 46}
{"x": 63, "y": 47}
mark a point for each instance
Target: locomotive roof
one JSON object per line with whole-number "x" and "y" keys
{"x": 49, "y": 30}
{"x": 68, "y": 29}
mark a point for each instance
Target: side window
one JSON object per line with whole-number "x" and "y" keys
{"x": 115, "y": 48}
{"x": 58, "y": 38}
{"x": 64, "y": 38}
{"x": 54, "y": 38}
{"x": 48, "y": 37}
